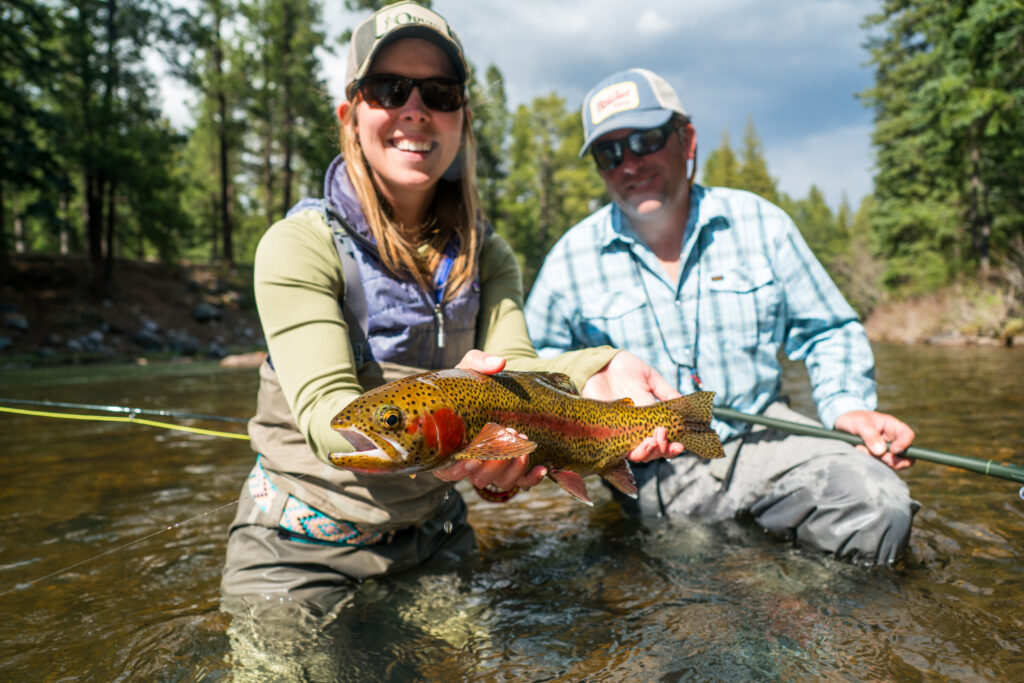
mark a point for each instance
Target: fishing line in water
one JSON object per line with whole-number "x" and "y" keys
{"x": 28, "y": 584}
{"x": 126, "y": 419}
{"x": 123, "y": 409}
{"x": 129, "y": 418}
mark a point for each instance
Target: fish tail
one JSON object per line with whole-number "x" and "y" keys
{"x": 693, "y": 424}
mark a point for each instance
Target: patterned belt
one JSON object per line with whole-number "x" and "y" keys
{"x": 304, "y": 522}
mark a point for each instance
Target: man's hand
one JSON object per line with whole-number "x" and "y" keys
{"x": 503, "y": 474}
{"x": 877, "y": 430}
{"x": 626, "y": 376}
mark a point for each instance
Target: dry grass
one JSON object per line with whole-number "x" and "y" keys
{"x": 969, "y": 312}
{"x": 909, "y": 322}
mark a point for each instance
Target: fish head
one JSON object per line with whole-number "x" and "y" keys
{"x": 406, "y": 426}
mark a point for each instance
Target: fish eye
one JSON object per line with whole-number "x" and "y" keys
{"x": 389, "y": 417}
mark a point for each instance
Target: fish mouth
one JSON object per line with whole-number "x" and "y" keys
{"x": 371, "y": 453}
{"x": 358, "y": 441}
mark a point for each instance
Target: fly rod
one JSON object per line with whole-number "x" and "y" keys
{"x": 989, "y": 467}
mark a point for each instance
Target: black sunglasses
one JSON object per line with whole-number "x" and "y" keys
{"x": 388, "y": 91}
{"x": 609, "y": 154}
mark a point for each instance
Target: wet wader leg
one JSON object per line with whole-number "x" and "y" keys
{"x": 851, "y": 506}
{"x": 822, "y": 494}
{"x": 265, "y": 561}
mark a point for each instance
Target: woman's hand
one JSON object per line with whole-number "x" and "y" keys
{"x": 626, "y": 376}
{"x": 502, "y": 474}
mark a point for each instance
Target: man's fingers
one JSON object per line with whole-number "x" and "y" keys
{"x": 663, "y": 391}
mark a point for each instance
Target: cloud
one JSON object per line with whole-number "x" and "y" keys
{"x": 650, "y": 23}
{"x": 792, "y": 66}
{"x": 838, "y": 161}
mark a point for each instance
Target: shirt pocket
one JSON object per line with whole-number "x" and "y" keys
{"x": 620, "y": 319}
{"x": 744, "y": 304}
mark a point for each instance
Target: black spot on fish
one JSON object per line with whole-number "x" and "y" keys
{"x": 509, "y": 383}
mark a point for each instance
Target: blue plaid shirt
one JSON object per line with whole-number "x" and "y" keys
{"x": 748, "y": 285}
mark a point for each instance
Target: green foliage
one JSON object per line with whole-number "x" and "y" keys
{"x": 753, "y": 172}
{"x": 87, "y": 162}
{"x": 817, "y": 223}
{"x": 27, "y": 127}
{"x": 855, "y": 268}
{"x": 548, "y": 188}
{"x": 491, "y": 123}
{"x": 747, "y": 172}
{"x": 85, "y": 149}
{"x": 722, "y": 168}
{"x": 291, "y": 133}
{"x": 949, "y": 126}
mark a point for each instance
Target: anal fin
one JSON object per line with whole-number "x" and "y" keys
{"x": 573, "y": 484}
{"x": 621, "y": 477}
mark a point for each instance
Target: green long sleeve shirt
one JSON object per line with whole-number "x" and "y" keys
{"x": 298, "y": 284}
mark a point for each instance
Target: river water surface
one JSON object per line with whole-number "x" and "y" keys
{"x": 113, "y": 535}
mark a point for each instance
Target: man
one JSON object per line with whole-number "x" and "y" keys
{"x": 707, "y": 284}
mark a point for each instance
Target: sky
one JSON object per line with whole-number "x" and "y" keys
{"x": 792, "y": 66}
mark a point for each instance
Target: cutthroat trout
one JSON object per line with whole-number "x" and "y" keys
{"x": 427, "y": 421}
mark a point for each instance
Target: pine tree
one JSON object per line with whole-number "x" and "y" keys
{"x": 549, "y": 188}
{"x": 28, "y": 126}
{"x": 949, "y": 126}
{"x": 753, "y": 171}
{"x": 722, "y": 168}
{"x": 490, "y": 129}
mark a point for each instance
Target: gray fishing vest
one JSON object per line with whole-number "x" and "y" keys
{"x": 400, "y": 322}
{"x": 403, "y": 324}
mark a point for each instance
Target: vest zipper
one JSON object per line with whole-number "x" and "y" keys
{"x": 439, "y": 316}
{"x": 440, "y": 280}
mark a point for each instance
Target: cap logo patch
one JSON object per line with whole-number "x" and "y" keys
{"x": 614, "y": 99}
{"x": 388, "y": 20}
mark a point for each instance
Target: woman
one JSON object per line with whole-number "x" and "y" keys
{"x": 436, "y": 284}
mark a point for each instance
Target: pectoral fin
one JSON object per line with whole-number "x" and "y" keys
{"x": 494, "y": 442}
{"x": 621, "y": 477}
{"x": 572, "y": 483}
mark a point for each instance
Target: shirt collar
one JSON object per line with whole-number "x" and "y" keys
{"x": 704, "y": 208}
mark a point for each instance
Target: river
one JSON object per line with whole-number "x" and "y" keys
{"x": 113, "y": 538}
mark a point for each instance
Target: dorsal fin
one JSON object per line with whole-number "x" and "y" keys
{"x": 556, "y": 380}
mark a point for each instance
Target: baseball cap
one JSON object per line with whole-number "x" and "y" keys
{"x": 401, "y": 20}
{"x": 635, "y": 98}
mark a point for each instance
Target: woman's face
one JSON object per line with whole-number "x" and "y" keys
{"x": 410, "y": 147}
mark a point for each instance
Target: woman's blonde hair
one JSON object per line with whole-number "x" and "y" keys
{"x": 452, "y": 214}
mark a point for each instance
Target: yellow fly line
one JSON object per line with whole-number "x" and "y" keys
{"x": 131, "y": 419}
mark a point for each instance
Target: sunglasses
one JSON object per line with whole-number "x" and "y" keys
{"x": 609, "y": 154}
{"x": 388, "y": 91}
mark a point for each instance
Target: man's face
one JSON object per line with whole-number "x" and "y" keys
{"x": 647, "y": 186}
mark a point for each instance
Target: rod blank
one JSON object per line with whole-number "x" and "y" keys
{"x": 989, "y": 467}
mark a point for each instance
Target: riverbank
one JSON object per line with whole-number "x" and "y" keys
{"x": 159, "y": 313}
{"x": 960, "y": 315}
{"x": 154, "y": 313}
